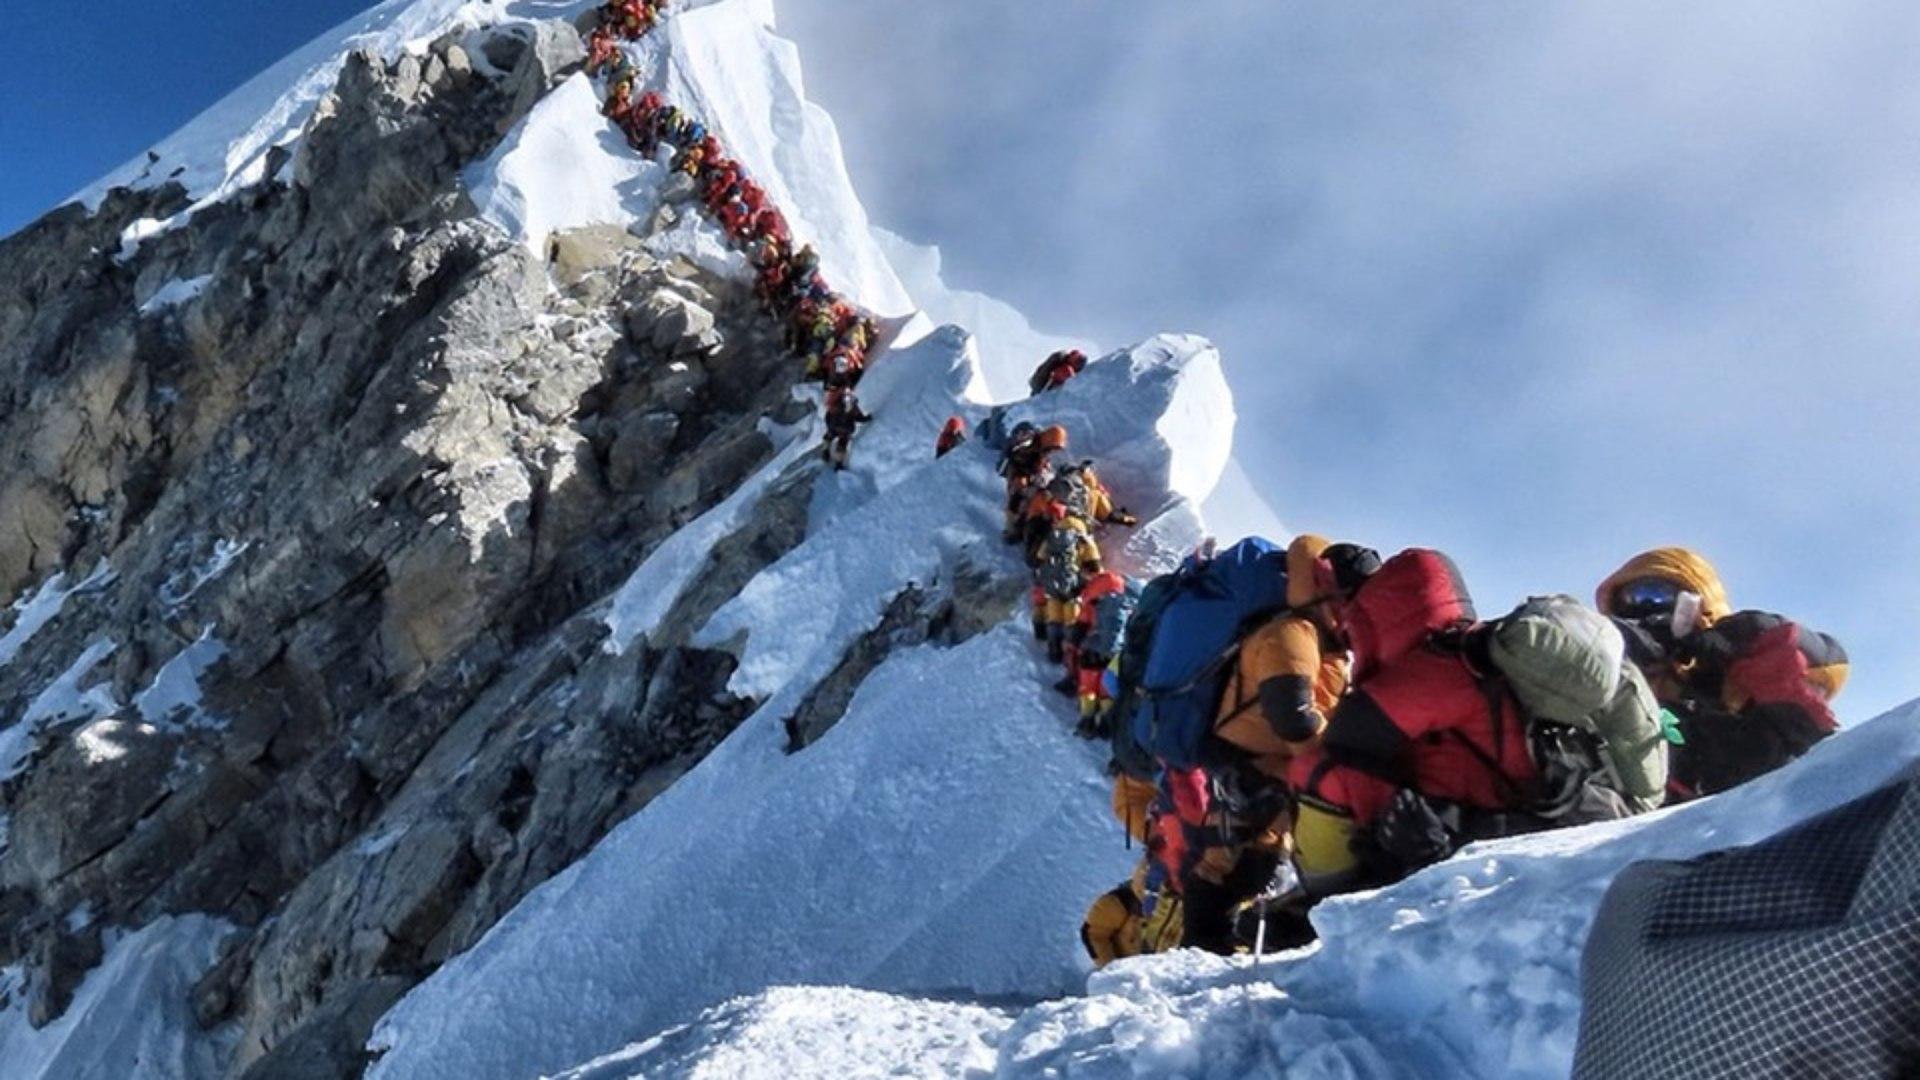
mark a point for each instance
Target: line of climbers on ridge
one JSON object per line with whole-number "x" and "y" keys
{"x": 1290, "y": 725}
{"x": 832, "y": 336}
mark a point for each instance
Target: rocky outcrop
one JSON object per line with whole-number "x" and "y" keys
{"x": 377, "y": 469}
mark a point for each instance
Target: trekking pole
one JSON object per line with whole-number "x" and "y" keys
{"x": 1260, "y": 932}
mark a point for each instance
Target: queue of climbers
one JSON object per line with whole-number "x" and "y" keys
{"x": 832, "y": 337}
{"x": 1290, "y": 724}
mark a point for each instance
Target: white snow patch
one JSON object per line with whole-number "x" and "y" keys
{"x": 131, "y": 1017}
{"x": 173, "y": 698}
{"x": 174, "y": 293}
{"x": 797, "y": 1033}
{"x": 564, "y": 167}
{"x": 144, "y": 229}
{"x": 62, "y": 701}
{"x": 99, "y": 742}
{"x": 34, "y": 611}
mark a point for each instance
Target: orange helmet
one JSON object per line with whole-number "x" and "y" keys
{"x": 1054, "y": 438}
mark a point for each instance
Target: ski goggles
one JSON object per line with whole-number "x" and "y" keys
{"x": 1647, "y": 596}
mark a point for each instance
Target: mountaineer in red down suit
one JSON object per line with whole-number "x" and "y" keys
{"x": 1424, "y": 736}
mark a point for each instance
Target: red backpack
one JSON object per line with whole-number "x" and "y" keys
{"x": 1415, "y": 594}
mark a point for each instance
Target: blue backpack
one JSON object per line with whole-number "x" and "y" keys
{"x": 1195, "y": 641}
{"x": 1110, "y": 616}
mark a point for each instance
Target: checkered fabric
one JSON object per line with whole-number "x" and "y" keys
{"x": 1796, "y": 957}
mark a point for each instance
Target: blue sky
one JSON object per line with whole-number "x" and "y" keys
{"x": 73, "y": 105}
{"x": 1540, "y": 285}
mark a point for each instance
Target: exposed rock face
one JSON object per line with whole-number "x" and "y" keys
{"x": 389, "y": 462}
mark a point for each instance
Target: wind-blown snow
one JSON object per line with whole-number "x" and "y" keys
{"x": 131, "y": 1017}
{"x": 1236, "y": 508}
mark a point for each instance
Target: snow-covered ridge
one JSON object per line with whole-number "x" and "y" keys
{"x": 943, "y": 837}
{"x": 224, "y": 149}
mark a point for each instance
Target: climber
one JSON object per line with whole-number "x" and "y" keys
{"x": 753, "y": 195}
{"x": 1112, "y": 927}
{"x": 803, "y": 265}
{"x": 1099, "y": 506}
{"x": 603, "y": 50}
{"x": 770, "y": 225}
{"x": 844, "y": 417}
{"x": 1288, "y": 674}
{"x": 1428, "y": 750}
{"x": 770, "y": 277}
{"x": 692, "y": 153}
{"x": 1056, "y": 369}
{"x": 630, "y": 18}
{"x": 842, "y": 369}
{"x": 1106, "y": 601}
{"x": 1028, "y": 466}
{"x": 619, "y": 104}
{"x": 722, "y": 186}
{"x": 642, "y": 123}
{"x": 733, "y": 215}
{"x": 1062, "y": 563}
{"x": 714, "y": 162}
{"x": 819, "y": 341}
{"x": 952, "y": 436}
{"x": 1749, "y": 691}
{"x": 855, "y": 329}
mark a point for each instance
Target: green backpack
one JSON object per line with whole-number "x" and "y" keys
{"x": 1567, "y": 665}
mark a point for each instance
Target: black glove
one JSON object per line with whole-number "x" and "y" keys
{"x": 1416, "y": 833}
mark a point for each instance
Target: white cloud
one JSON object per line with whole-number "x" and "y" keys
{"x": 1541, "y": 284}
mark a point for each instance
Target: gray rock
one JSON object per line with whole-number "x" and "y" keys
{"x": 670, "y": 323}
{"x": 367, "y": 464}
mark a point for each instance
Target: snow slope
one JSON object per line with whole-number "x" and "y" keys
{"x": 937, "y": 840}
{"x": 1468, "y": 969}
{"x": 796, "y": 1032}
{"x": 131, "y": 1017}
